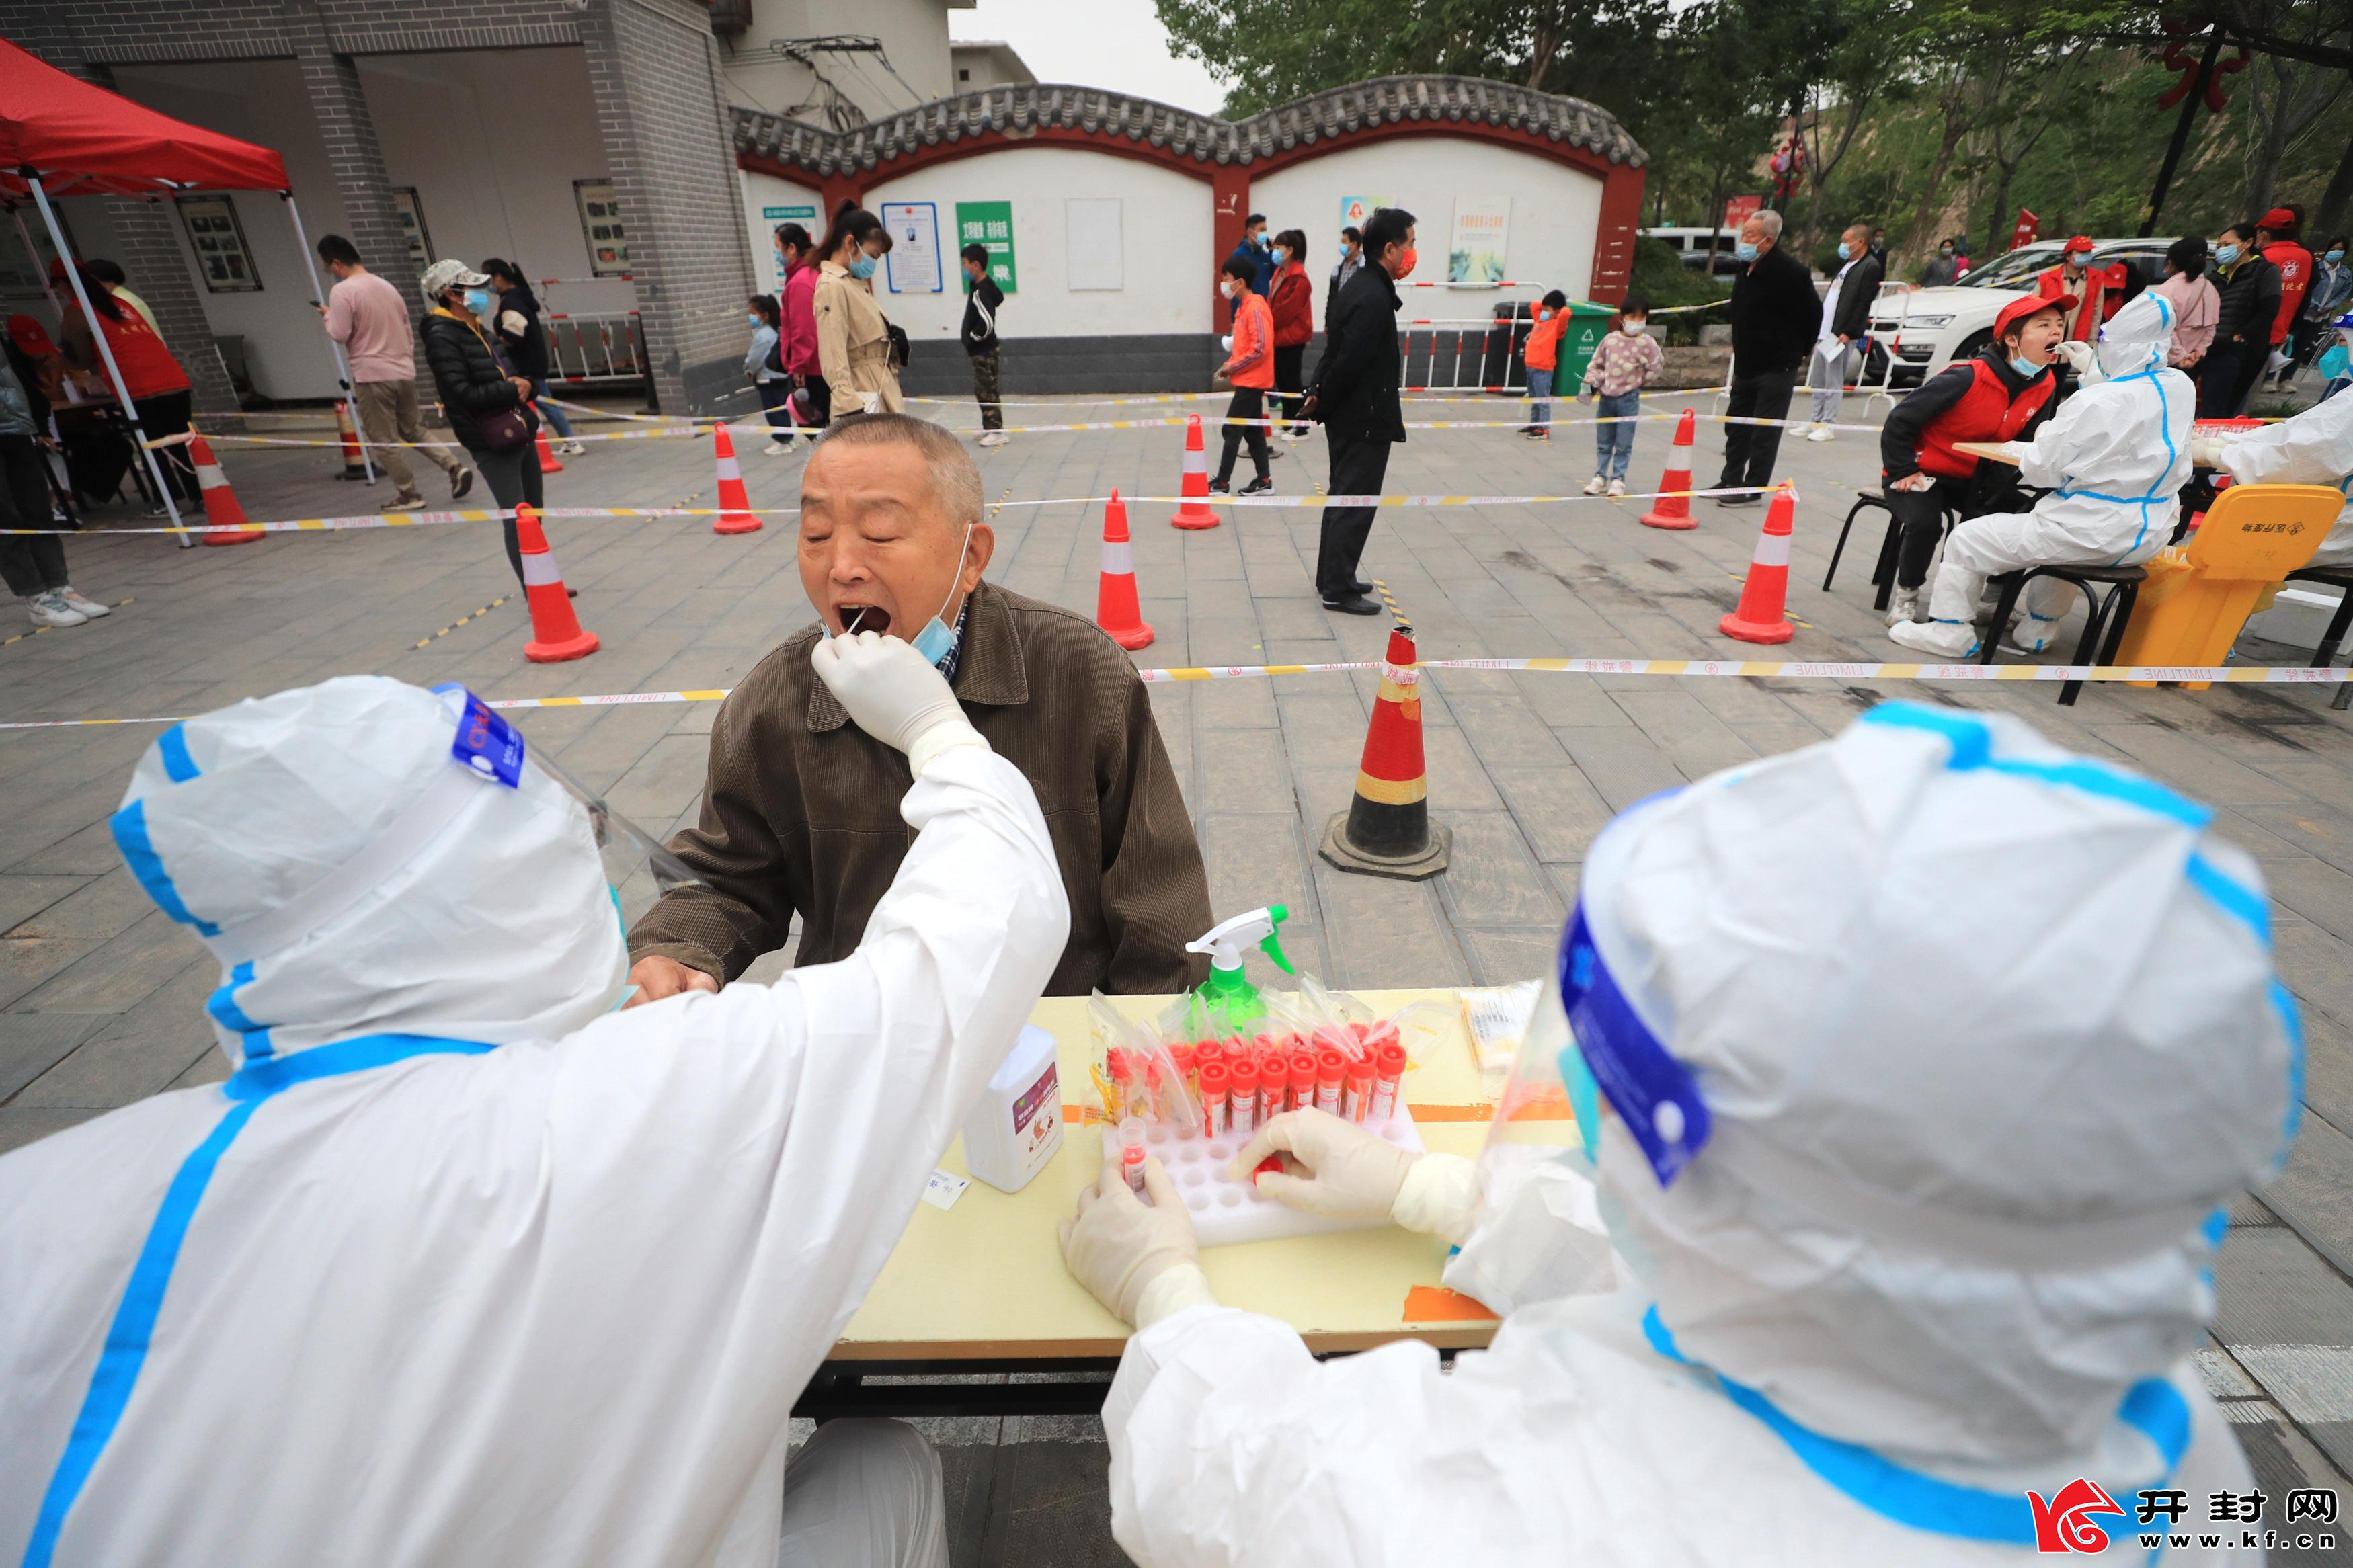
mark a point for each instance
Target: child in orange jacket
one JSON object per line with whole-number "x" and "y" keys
{"x": 1249, "y": 370}
{"x": 1542, "y": 352}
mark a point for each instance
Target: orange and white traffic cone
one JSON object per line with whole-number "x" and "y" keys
{"x": 1760, "y": 617}
{"x": 555, "y": 634}
{"x": 1116, "y": 611}
{"x": 734, "y": 504}
{"x": 547, "y": 463}
{"x": 1387, "y": 830}
{"x": 1195, "y": 512}
{"x": 229, "y": 524}
{"x": 1674, "y": 511}
{"x": 354, "y": 465}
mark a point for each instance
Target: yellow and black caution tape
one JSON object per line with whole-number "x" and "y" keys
{"x": 37, "y": 631}
{"x": 461, "y": 620}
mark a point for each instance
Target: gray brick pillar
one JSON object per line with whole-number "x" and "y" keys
{"x": 653, "y": 67}
{"x": 148, "y": 246}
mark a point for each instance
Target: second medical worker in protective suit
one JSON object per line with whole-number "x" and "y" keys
{"x": 2114, "y": 458}
{"x": 1915, "y": 1226}
{"x": 461, "y": 1266}
{"x": 2314, "y": 448}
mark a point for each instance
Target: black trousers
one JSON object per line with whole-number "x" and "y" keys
{"x": 168, "y": 415}
{"x": 820, "y": 400}
{"x": 31, "y": 563}
{"x": 1749, "y": 449}
{"x": 1287, "y": 362}
{"x": 514, "y": 479}
{"x": 1359, "y": 464}
{"x": 773, "y": 395}
{"x": 1248, "y": 402}
{"x": 1921, "y": 513}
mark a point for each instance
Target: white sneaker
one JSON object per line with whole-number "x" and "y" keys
{"x": 993, "y": 438}
{"x": 1820, "y": 433}
{"x": 49, "y": 610}
{"x": 778, "y": 448}
{"x": 571, "y": 448}
{"x": 1904, "y": 605}
{"x": 1617, "y": 486}
{"x": 88, "y": 609}
{"x": 1595, "y": 484}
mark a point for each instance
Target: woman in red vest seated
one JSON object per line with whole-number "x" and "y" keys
{"x": 2000, "y": 395}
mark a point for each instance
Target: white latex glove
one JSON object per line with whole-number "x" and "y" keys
{"x": 2205, "y": 451}
{"x": 1348, "y": 1173}
{"x": 894, "y": 694}
{"x": 2080, "y": 356}
{"x": 1116, "y": 1245}
{"x": 870, "y": 401}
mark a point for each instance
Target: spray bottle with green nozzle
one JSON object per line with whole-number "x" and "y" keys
{"x": 1227, "y": 989}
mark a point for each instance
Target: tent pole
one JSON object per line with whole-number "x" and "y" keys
{"x": 114, "y": 372}
{"x": 343, "y": 371}
{"x": 33, "y": 260}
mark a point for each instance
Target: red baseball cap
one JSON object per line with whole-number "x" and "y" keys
{"x": 2278, "y": 219}
{"x": 2081, "y": 242}
{"x": 2018, "y": 311}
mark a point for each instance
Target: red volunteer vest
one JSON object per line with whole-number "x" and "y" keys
{"x": 1985, "y": 413}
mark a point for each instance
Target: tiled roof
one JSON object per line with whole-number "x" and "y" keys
{"x": 1031, "y": 107}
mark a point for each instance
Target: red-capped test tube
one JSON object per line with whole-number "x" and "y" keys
{"x": 1243, "y": 1095}
{"x": 1273, "y": 1084}
{"x": 1115, "y": 1095}
{"x": 1331, "y": 1067}
{"x": 1303, "y": 1079}
{"x": 1131, "y": 1152}
{"x": 1356, "y": 1090}
{"x": 1388, "y": 1069}
{"x": 1215, "y": 1084}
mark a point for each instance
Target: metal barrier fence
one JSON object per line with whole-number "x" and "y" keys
{"x": 587, "y": 347}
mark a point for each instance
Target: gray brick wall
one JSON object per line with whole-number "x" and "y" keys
{"x": 148, "y": 246}
{"x": 653, "y": 67}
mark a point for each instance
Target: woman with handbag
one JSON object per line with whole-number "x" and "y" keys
{"x": 489, "y": 409}
{"x": 853, "y": 339}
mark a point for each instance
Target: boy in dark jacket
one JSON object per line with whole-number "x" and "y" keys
{"x": 983, "y": 299}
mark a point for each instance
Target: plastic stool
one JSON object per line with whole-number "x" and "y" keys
{"x": 2103, "y": 627}
{"x": 2334, "y": 637}
{"x": 1883, "y": 575}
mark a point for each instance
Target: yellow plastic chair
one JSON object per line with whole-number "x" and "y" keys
{"x": 2199, "y": 595}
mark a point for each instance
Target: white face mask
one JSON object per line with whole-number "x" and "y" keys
{"x": 1631, "y": 328}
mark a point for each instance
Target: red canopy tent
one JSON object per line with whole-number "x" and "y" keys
{"x": 62, "y": 136}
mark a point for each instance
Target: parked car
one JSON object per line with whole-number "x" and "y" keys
{"x": 1692, "y": 245}
{"x": 1927, "y": 329}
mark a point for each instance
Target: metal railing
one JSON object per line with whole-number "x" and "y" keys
{"x": 585, "y": 348}
{"x": 1463, "y": 353}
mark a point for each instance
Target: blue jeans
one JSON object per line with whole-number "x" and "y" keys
{"x": 548, "y": 411}
{"x": 1613, "y": 444}
{"x": 1540, "y": 388}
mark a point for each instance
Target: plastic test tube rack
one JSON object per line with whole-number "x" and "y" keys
{"x": 1226, "y": 1210}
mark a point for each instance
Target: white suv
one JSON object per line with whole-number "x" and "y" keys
{"x": 1928, "y": 329}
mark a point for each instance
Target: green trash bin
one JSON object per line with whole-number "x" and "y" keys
{"x": 1587, "y": 324}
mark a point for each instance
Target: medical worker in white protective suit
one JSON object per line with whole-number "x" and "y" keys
{"x": 2113, "y": 457}
{"x": 1919, "y": 1131}
{"x": 2314, "y": 448}
{"x": 462, "y": 1266}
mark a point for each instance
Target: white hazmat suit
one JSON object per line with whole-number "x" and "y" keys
{"x": 2114, "y": 458}
{"x": 1946, "y": 1238}
{"x": 2314, "y": 448}
{"x": 461, "y": 1266}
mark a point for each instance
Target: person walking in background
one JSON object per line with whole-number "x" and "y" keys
{"x": 1292, "y": 304}
{"x": 33, "y": 565}
{"x": 1350, "y": 262}
{"x": 2195, "y": 306}
{"x": 1249, "y": 371}
{"x": 2275, "y": 240}
{"x": 1776, "y": 317}
{"x": 523, "y": 344}
{"x": 1542, "y": 354}
{"x": 2329, "y": 296}
{"x": 368, "y": 317}
{"x": 489, "y": 409}
{"x": 1354, "y": 398}
{"x": 1846, "y": 322}
{"x": 1876, "y": 248}
{"x": 983, "y": 300}
{"x": 1942, "y": 269}
{"x": 797, "y": 327}
{"x": 854, "y": 338}
{"x": 764, "y": 367}
{"x": 158, "y": 386}
{"x": 2250, "y": 290}
{"x": 1623, "y": 365}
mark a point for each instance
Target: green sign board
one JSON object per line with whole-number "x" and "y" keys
{"x": 990, "y": 223}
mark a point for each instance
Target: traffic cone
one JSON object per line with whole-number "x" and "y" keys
{"x": 1195, "y": 510}
{"x": 547, "y": 463}
{"x": 734, "y": 505}
{"x": 1674, "y": 511}
{"x": 1759, "y": 618}
{"x": 1387, "y": 830}
{"x": 1116, "y": 611}
{"x": 229, "y": 524}
{"x": 354, "y": 466}
{"x": 555, "y": 634}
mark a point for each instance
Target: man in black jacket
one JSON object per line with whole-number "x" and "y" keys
{"x": 1846, "y": 322}
{"x": 983, "y": 299}
{"x": 2250, "y": 288}
{"x": 1354, "y": 398}
{"x": 1776, "y": 317}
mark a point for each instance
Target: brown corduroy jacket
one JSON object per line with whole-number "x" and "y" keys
{"x": 800, "y": 808}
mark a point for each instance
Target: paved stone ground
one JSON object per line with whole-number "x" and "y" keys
{"x": 101, "y": 995}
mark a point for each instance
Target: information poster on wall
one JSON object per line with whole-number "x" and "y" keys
{"x": 600, "y": 226}
{"x": 1482, "y": 227}
{"x": 805, "y": 215}
{"x": 219, "y": 243}
{"x": 990, "y": 223}
{"x": 1354, "y": 210}
{"x": 1096, "y": 258}
{"x": 912, "y": 264}
{"x": 410, "y": 213}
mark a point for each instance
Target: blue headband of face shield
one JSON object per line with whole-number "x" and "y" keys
{"x": 1652, "y": 1093}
